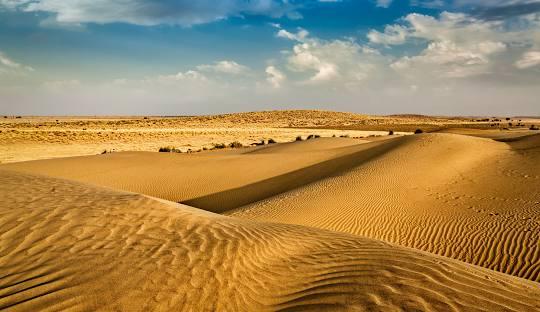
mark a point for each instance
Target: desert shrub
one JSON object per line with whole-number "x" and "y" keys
{"x": 271, "y": 141}
{"x": 299, "y": 138}
{"x": 18, "y": 117}
{"x": 344, "y": 136}
{"x": 533, "y": 127}
{"x": 418, "y": 131}
{"x": 391, "y": 132}
{"x": 219, "y": 145}
{"x": 235, "y": 144}
{"x": 311, "y": 136}
{"x": 317, "y": 136}
{"x": 169, "y": 149}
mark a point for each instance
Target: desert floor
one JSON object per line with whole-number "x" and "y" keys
{"x": 441, "y": 221}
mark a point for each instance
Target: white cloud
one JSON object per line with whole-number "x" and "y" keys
{"x": 7, "y": 65}
{"x": 529, "y": 59}
{"x": 458, "y": 45}
{"x": 301, "y": 35}
{"x": 12, "y": 4}
{"x": 392, "y": 35}
{"x": 275, "y": 77}
{"x": 446, "y": 59}
{"x": 149, "y": 12}
{"x": 188, "y": 76}
{"x": 338, "y": 61}
{"x": 384, "y": 3}
{"x": 225, "y": 67}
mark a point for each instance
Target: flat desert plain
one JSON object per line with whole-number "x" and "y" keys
{"x": 353, "y": 220}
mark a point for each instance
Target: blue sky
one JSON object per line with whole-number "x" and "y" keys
{"x": 198, "y": 57}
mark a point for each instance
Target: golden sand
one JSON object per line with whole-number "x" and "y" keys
{"x": 444, "y": 221}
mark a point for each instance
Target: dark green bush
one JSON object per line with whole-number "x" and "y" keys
{"x": 236, "y": 144}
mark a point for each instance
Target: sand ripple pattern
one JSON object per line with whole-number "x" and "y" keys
{"x": 468, "y": 198}
{"x": 70, "y": 246}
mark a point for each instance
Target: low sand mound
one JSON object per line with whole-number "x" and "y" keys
{"x": 309, "y": 146}
{"x": 528, "y": 142}
{"x": 496, "y": 134}
{"x": 216, "y": 181}
{"x": 65, "y": 245}
{"x": 468, "y": 198}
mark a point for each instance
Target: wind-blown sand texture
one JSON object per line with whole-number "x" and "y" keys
{"x": 442, "y": 221}
{"x": 65, "y": 245}
{"x": 463, "y": 197}
{"x": 469, "y": 198}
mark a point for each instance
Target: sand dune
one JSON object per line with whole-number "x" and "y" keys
{"x": 216, "y": 181}
{"x": 65, "y": 245}
{"x": 469, "y": 198}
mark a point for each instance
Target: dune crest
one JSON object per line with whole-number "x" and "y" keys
{"x": 66, "y": 245}
{"x": 465, "y": 197}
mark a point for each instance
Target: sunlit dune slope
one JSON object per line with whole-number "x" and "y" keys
{"x": 216, "y": 181}
{"x": 464, "y": 197}
{"x": 468, "y": 198}
{"x": 65, "y": 245}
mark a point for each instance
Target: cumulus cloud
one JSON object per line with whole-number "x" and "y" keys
{"x": 446, "y": 59}
{"x": 301, "y": 35}
{"x": 149, "y": 12}
{"x": 393, "y": 34}
{"x": 529, "y": 59}
{"x": 336, "y": 61}
{"x": 459, "y": 45}
{"x": 275, "y": 77}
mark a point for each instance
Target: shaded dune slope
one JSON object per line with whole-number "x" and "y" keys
{"x": 65, "y": 245}
{"x": 217, "y": 181}
{"x": 463, "y": 197}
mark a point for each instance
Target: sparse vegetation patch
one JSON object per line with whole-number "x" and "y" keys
{"x": 236, "y": 144}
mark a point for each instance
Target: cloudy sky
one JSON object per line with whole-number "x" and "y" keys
{"x": 178, "y": 57}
